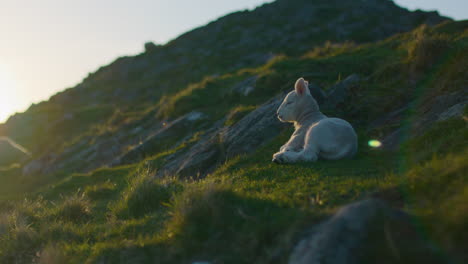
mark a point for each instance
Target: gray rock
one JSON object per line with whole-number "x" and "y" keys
{"x": 364, "y": 232}
{"x": 440, "y": 108}
{"x": 34, "y": 167}
{"x": 152, "y": 144}
{"x": 39, "y": 166}
{"x": 393, "y": 140}
{"x": 339, "y": 92}
{"x": 255, "y": 129}
{"x": 317, "y": 92}
{"x": 246, "y": 86}
{"x": 454, "y": 111}
{"x": 221, "y": 143}
{"x": 195, "y": 116}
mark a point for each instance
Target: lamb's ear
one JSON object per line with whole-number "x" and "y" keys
{"x": 301, "y": 87}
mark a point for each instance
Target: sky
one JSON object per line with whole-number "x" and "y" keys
{"x": 49, "y": 45}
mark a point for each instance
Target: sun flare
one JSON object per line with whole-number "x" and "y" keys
{"x": 7, "y": 91}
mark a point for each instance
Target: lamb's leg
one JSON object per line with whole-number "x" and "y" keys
{"x": 308, "y": 154}
{"x": 293, "y": 157}
{"x": 285, "y": 157}
{"x": 295, "y": 142}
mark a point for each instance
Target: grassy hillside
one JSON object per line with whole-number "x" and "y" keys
{"x": 133, "y": 85}
{"x": 250, "y": 210}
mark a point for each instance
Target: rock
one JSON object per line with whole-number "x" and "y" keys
{"x": 195, "y": 116}
{"x": 339, "y": 92}
{"x": 220, "y": 143}
{"x": 246, "y": 86}
{"x": 317, "y": 92}
{"x": 393, "y": 140}
{"x": 152, "y": 144}
{"x": 39, "y": 166}
{"x": 255, "y": 129}
{"x": 438, "y": 108}
{"x": 364, "y": 232}
{"x": 454, "y": 111}
{"x": 34, "y": 167}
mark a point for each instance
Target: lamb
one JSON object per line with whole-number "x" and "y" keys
{"x": 316, "y": 135}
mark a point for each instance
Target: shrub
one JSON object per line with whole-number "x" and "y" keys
{"x": 75, "y": 208}
{"x": 144, "y": 195}
{"x": 213, "y": 217}
{"x": 18, "y": 240}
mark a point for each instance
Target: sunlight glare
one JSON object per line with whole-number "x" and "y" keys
{"x": 7, "y": 91}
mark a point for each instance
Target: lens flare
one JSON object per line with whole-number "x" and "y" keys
{"x": 374, "y": 143}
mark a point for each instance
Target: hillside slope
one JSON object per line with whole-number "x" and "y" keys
{"x": 190, "y": 179}
{"x": 128, "y": 91}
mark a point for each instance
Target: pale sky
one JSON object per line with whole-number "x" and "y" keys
{"x": 49, "y": 45}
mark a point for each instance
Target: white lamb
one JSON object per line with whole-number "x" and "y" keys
{"x": 316, "y": 136}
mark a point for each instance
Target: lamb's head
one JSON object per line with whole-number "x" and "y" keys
{"x": 297, "y": 103}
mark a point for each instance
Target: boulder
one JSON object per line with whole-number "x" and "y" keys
{"x": 368, "y": 231}
{"x": 34, "y": 167}
{"x": 152, "y": 144}
{"x": 219, "y": 143}
{"x": 454, "y": 111}
{"x": 317, "y": 92}
{"x": 439, "y": 108}
{"x": 246, "y": 86}
{"x": 252, "y": 131}
{"x": 339, "y": 92}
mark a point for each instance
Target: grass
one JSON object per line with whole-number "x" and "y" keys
{"x": 76, "y": 208}
{"x": 143, "y": 196}
{"x": 437, "y": 192}
{"x": 237, "y": 114}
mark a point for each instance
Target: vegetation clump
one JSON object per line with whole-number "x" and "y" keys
{"x": 76, "y": 208}
{"x": 144, "y": 195}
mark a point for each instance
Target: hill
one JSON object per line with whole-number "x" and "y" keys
{"x": 132, "y": 88}
{"x": 166, "y": 156}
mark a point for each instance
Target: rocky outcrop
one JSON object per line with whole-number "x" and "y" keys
{"x": 432, "y": 110}
{"x": 338, "y": 93}
{"x": 153, "y": 144}
{"x": 246, "y": 86}
{"x": 364, "y": 232}
{"x": 454, "y": 111}
{"x": 441, "y": 108}
{"x": 221, "y": 143}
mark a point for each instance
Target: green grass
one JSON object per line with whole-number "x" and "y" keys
{"x": 143, "y": 195}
